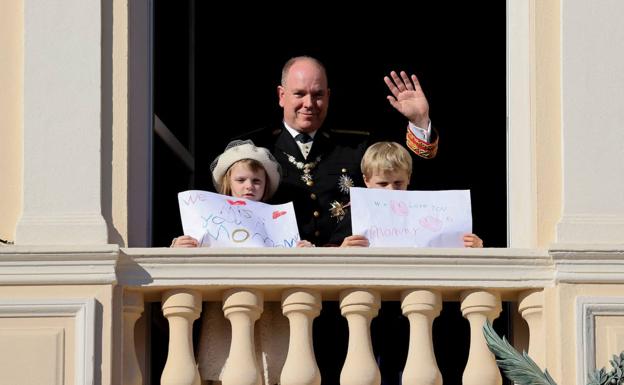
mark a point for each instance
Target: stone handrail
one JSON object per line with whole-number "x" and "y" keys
{"x": 396, "y": 269}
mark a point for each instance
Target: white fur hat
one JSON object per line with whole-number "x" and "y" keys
{"x": 245, "y": 149}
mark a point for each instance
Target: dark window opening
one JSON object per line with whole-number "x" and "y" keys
{"x": 225, "y": 84}
{"x": 212, "y": 83}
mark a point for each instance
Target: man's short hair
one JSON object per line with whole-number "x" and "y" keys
{"x": 383, "y": 157}
{"x": 295, "y": 59}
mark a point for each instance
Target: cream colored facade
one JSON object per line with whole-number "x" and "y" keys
{"x": 11, "y": 115}
{"x": 71, "y": 292}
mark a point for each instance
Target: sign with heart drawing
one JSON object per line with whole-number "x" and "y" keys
{"x": 222, "y": 221}
{"x": 393, "y": 218}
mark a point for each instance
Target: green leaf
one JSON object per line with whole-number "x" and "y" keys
{"x": 519, "y": 368}
{"x": 597, "y": 377}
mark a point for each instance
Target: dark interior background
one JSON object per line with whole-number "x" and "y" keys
{"x": 212, "y": 83}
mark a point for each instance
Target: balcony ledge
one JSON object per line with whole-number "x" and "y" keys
{"x": 58, "y": 265}
{"x": 389, "y": 268}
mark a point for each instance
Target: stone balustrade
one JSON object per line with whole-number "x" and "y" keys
{"x": 243, "y": 306}
{"x": 244, "y": 282}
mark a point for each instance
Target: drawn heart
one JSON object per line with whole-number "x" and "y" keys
{"x": 236, "y": 203}
{"x": 399, "y": 208}
{"x": 431, "y": 223}
{"x": 277, "y": 214}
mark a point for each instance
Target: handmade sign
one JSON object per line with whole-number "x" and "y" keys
{"x": 223, "y": 221}
{"x": 399, "y": 218}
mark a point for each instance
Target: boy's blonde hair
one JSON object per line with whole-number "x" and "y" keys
{"x": 383, "y": 157}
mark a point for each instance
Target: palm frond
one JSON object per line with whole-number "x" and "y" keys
{"x": 519, "y": 368}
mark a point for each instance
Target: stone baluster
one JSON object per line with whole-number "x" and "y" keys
{"x": 421, "y": 307}
{"x": 242, "y": 307}
{"x": 181, "y": 307}
{"x": 359, "y": 306}
{"x": 301, "y": 307}
{"x": 132, "y": 310}
{"x": 531, "y": 306}
{"x": 477, "y": 306}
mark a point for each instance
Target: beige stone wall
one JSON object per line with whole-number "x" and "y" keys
{"x": 11, "y": 64}
{"x": 563, "y": 321}
{"x": 52, "y": 338}
{"x": 547, "y": 111}
{"x": 553, "y": 337}
{"x": 115, "y": 177}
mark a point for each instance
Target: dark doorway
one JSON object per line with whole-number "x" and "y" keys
{"x": 213, "y": 82}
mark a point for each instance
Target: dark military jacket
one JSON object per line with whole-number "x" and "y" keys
{"x": 335, "y": 158}
{"x": 343, "y": 229}
{"x": 333, "y": 164}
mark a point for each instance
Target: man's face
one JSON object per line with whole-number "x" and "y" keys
{"x": 304, "y": 96}
{"x": 390, "y": 180}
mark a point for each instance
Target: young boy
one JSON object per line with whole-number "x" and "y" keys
{"x": 385, "y": 165}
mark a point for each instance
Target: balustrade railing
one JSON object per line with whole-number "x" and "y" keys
{"x": 302, "y": 279}
{"x": 567, "y": 301}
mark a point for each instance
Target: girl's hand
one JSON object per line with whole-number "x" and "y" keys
{"x": 472, "y": 240}
{"x": 184, "y": 241}
{"x": 304, "y": 243}
{"x": 355, "y": 241}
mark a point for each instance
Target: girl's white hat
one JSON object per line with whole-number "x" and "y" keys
{"x": 245, "y": 149}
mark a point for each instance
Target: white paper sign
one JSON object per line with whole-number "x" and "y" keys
{"x": 223, "y": 221}
{"x": 396, "y": 218}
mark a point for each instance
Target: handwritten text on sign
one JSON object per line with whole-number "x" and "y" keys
{"x": 411, "y": 218}
{"x": 222, "y": 221}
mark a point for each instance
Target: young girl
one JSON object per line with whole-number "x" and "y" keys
{"x": 250, "y": 172}
{"x": 243, "y": 171}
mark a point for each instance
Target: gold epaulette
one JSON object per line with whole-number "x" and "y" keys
{"x": 420, "y": 147}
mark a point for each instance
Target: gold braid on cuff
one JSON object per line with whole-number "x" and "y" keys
{"x": 420, "y": 147}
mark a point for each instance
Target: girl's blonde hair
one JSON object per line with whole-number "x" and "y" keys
{"x": 383, "y": 157}
{"x": 251, "y": 164}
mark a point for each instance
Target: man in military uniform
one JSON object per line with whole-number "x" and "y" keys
{"x": 319, "y": 165}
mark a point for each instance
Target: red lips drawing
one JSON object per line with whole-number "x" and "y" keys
{"x": 431, "y": 223}
{"x": 277, "y": 214}
{"x": 236, "y": 203}
{"x": 399, "y": 208}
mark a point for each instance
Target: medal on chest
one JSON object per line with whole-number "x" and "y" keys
{"x": 337, "y": 208}
{"x": 305, "y": 168}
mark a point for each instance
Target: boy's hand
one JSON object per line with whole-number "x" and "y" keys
{"x": 472, "y": 240}
{"x": 355, "y": 241}
{"x": 184, "y": 241}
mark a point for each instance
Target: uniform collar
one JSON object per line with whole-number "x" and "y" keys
{"x": 294, "y": 132}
